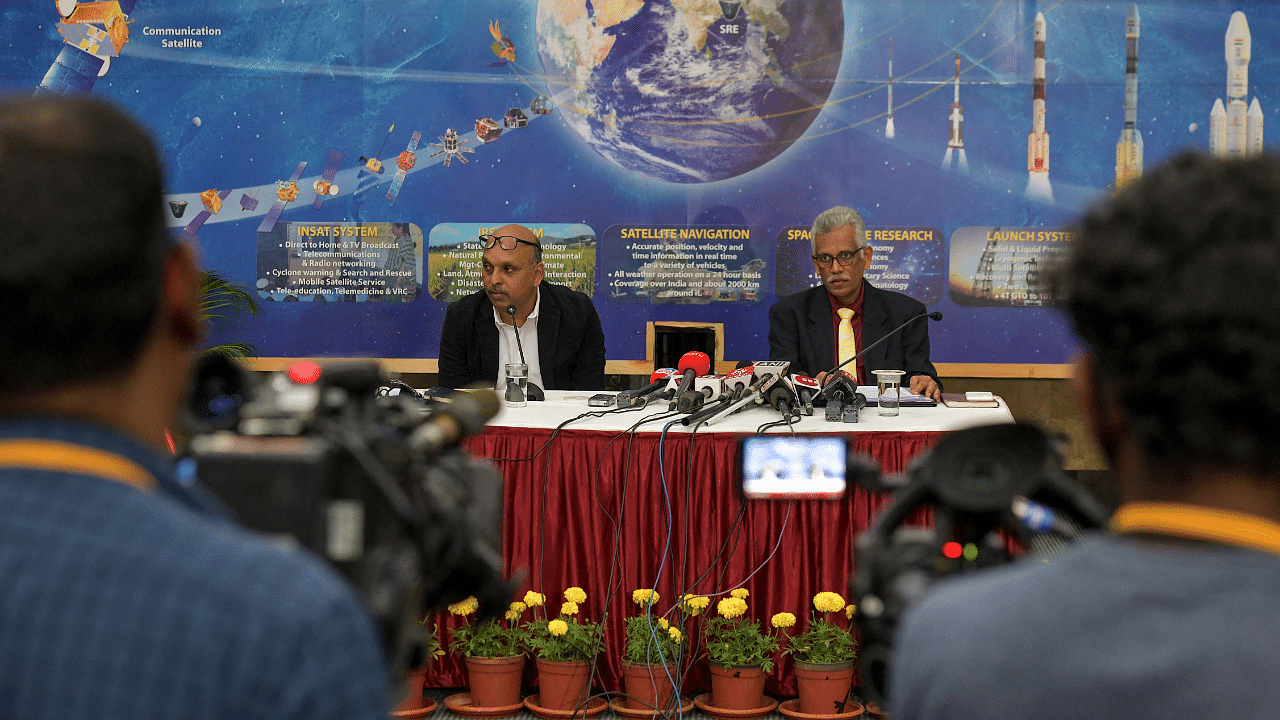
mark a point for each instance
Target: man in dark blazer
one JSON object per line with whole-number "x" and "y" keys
{"x": 567, "y": 351}
{"x": 803, "y": 326}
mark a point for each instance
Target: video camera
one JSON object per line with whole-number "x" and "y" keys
{"x": 990, "y": 488}
{"x": 371, "y": 482}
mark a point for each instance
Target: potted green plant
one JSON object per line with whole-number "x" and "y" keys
{"x": 563, "y": 647}
{"x": 651, "y": 655}
{"x": 415, "y": 701}
{"x": 741, "y": 653}
{"x": 824, "y": 657}
{"x": 493, "y": 651}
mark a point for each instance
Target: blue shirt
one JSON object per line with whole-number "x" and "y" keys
{"x": 121, "y": 603}
{"x": 1116, "y": 627}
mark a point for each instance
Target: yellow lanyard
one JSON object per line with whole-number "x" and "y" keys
{"x": 1198, "y": 522}
{"x": 57, "y": 456}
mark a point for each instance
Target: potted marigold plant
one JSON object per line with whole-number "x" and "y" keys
{"x": 564, "y": 647}
{"x": 824, "y": 657}
{"x": 493, "y": 651}
{"x": 740, "y": 654}
{"x": 651, "y": 657}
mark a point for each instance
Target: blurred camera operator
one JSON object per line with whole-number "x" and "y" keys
{"x": 1174, "y": 288}
{"x": 123, "y": 592}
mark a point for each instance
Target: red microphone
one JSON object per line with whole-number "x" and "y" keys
{"x": 692, "y": 364}
{"x": 658, "y": 380}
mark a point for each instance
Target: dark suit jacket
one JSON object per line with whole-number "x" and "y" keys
{"x": 570, "y": 341}
{"x": 800, "y": 331}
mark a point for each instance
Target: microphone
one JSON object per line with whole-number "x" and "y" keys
{"x": 705, "y": 388}
{"x": 691, "y": 365}
{"x": 781, "y": 397}
{"x": 806, "y": 388}
{"x": 737, "y": 381}
{"x": 932, "y": 316}
{"x": 465, "y": 414}
{"x": 765, "y": 373}
{"x": 845, "y": 401}
{"x": 532, "y": 390}
{"x": 634, "y": 398}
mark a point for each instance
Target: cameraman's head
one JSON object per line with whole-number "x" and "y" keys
{"x": 100, "y": 305}
{"x": 1174, "y": 286}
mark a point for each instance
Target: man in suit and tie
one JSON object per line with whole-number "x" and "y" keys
{"x": 559, "y": 329}
{"x": 825, "y": 325}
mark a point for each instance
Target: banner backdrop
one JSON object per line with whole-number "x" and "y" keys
{"x": 339, "y": 157}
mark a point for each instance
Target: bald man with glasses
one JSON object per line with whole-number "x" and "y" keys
{"x": 558, "y": 328}
{"x": 820, "y": 327}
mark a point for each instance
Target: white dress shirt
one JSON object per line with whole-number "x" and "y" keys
{"x": 509, "y": 351}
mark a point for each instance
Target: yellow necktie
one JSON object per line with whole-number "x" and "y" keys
{"x": 846, "y": 343}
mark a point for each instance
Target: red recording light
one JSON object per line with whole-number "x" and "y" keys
{"x": 952, "y": 550}
{"x": 304, "y": 372}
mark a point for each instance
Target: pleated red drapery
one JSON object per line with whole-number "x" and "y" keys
{"x": 591, "y": 509}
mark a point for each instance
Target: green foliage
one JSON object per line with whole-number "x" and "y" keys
{"x": 431, "y": 648}
{"x": 823, "y": 642}
{"x": 489, "y": 639}
{"x": 650, "y": 643}
{"x": 739, "y": 641}
{"x": 218, "y": 296}
{"x": 578, "y": 641}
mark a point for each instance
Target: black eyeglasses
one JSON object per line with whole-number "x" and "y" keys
{"x": 506, "y": 242}
{"x": 844, "y": 257}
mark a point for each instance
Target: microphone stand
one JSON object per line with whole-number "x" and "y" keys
{"x": 533, "y": 391}
{"x": 826, "y": 381}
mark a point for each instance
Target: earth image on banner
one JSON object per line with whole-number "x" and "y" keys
{"x": 690, "y": 91}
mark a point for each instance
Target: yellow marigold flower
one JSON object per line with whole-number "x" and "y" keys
{"x": 644, "y": 596}
{"x": 783, "y": 620}
{"x": 740, "y": 593}
{"x": 464, "y": 607}
{"x": 575, "y": 594}
{"x": 695, "y": 604}
{"x": 676, "y": 635}
{"x": 850, "y": 611}
{"x": 731, "y": 607}
{"x": 828, "y": 602}
{"x": 533, "y": 599}
{"x": 557, "y": 627}
{"x": 662, "y": 623}
{"x": 518, "y": 606}
{"x": 569, "y": 608}
{"x": 512, "y": 615}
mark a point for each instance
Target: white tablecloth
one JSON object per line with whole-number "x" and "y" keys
{"x": 562, "y": 405}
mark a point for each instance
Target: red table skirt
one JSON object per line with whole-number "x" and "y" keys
{"x": 600, "y": 511}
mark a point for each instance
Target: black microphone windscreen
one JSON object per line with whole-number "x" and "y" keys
{"x": 935, "y": 315}
{"x": 743, "y": 363}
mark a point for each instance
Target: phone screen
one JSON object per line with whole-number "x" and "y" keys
{"x": 809, "y": 467}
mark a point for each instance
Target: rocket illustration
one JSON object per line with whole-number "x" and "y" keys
{"x": 1235, "y": 128}
{"x": 956, "y": 141}
{"x": 1129, "y": 147}
{"x": 888, "y": 124}
{"x": 1038, "y": 187}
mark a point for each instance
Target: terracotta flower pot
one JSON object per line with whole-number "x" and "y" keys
{"x": 737, "y": 688}
{"x": 562, "y": 685}
{"x": 413, "y": 690}
{"x": 495, "y": 682}
{"x": 649, "y": 687}
{"x": 824, "y": 687}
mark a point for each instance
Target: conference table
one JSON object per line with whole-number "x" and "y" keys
{"x": 617, "y": 501}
